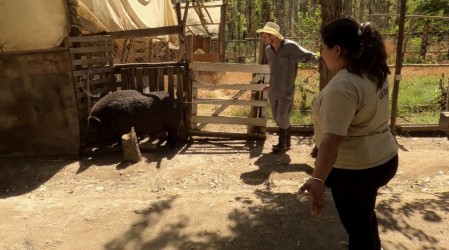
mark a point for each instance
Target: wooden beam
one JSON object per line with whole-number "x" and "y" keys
{"x": 129, "y": 34}
{"x": 418, "y": 128}
{"x": 230, "y": 120}
{"x": 243, "y": 86}
{"x": 230, "y": 67}
{"x": 256, "y": 103}
{"x": 240, "y": 136}
{"x": 223, "y": 107}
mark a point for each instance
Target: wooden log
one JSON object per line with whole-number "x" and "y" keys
{"x": 130, "y": 147}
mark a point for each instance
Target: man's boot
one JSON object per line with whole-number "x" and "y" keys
{"x": 288, "y": 143}
{"x": 282, "y": 145}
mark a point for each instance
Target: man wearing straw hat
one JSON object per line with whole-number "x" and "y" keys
{"x": 283, "y": 56}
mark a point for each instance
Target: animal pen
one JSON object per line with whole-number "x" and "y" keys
{"x": 95, "y": 75}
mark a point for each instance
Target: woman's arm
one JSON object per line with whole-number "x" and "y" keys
{"x": 327, "y": 154}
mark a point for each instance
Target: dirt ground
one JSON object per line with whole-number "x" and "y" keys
{"x": 211, "y": 194}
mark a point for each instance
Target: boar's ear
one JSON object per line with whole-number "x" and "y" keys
{"x": 93, "y": 121}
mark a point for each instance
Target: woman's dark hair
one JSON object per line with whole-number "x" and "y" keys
{"x": 362, "y": 45}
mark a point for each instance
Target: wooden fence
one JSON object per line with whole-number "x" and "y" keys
{"x": 93, "y": 70}
{"x": 95, "y": 75}
{"x": 255, "y": 122}
{"x": 151, "y": 77}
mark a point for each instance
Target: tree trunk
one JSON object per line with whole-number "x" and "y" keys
{"x": 279, "y": 14}
{"x": 348, "y": 7}
{"x": 295, "y": 17}
{"x": 249, "y": 18}
{"x": 361, "y": 10}
{"x": 330, "y": 11}
{"x": 290, "y": 18}
{"x": 231, "y": 23}
{"x": 424, "y": 40}
{"x": 266, "y": 7}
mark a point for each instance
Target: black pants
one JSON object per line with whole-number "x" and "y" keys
{"x": 355, "y": 193}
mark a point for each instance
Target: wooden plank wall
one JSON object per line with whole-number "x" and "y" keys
{"x": 258, "y": 101}
{"x": 93, "y": 70}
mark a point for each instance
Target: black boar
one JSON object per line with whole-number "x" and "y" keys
{"x": 150, "y": 114}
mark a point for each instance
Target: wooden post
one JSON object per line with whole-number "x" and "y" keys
{"x": 88, "y": 87}
{"x": 124, "y": 78}
{"x": 139, "y": 79}
{"x": 398, "y": 68}
{"x": 153, "y": 79}
{"x": 182, "y": 35}
{"x": 221, "y": 33}
{"x": 447, "y": 98}
{"x": 444, "y": 121}
{"x": 447, "y": 92}
{"x": 189, "y": 48}
{"x": 171, "y": 82}
{"x": 160, "y": 79}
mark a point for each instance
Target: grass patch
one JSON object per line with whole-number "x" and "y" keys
{"x": 418, "y": 100}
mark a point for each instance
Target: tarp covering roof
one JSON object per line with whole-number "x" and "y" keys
{"x": 119, "y": 15}
{"x": 43, "y": 24}
{"x": 203, "y": 21}
{"x": 32, "y": 24}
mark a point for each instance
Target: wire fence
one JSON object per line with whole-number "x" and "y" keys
{"x": 145, "y": 50}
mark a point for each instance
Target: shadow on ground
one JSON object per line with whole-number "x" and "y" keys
{"x": 282, "y": 222}
{"x": 19, "y": 176}
{"x": 396, "y": 219}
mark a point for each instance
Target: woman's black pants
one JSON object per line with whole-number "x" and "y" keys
{"x": 354, "y": 193}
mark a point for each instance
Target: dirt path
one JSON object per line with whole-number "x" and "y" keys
{"x": 213, "y": 194}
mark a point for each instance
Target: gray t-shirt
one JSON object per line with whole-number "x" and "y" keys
{"x": 283, "y": 67}
{"x": 352, "y": 107}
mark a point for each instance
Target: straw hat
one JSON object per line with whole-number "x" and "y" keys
{"x": 271, "y": 28}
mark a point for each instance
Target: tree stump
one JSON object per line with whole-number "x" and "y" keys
{"x": 130, "y": 147}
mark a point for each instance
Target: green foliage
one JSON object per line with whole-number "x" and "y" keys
{"x": 432, "y": 7}
{"x": 418, "y": 100}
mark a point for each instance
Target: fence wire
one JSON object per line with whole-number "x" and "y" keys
{"x": 145, "y": 50}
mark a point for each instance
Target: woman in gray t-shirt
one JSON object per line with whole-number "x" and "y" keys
{"x": 357, "y": 154}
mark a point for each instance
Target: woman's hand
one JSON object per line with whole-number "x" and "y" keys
{"x": 315, "y": 189}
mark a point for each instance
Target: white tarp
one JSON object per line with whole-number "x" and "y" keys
{"x": 212, "y": 18}
{"x": 32, "y": 24}
{"x": 42, "y": 24}
{"x": 94, "y": 16}
{"x": 118, "y": 15}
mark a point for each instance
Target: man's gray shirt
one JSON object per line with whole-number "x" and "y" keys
{"x": 283, "y": 68}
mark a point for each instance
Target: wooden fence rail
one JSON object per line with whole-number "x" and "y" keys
{"x": 258, "y": 101}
